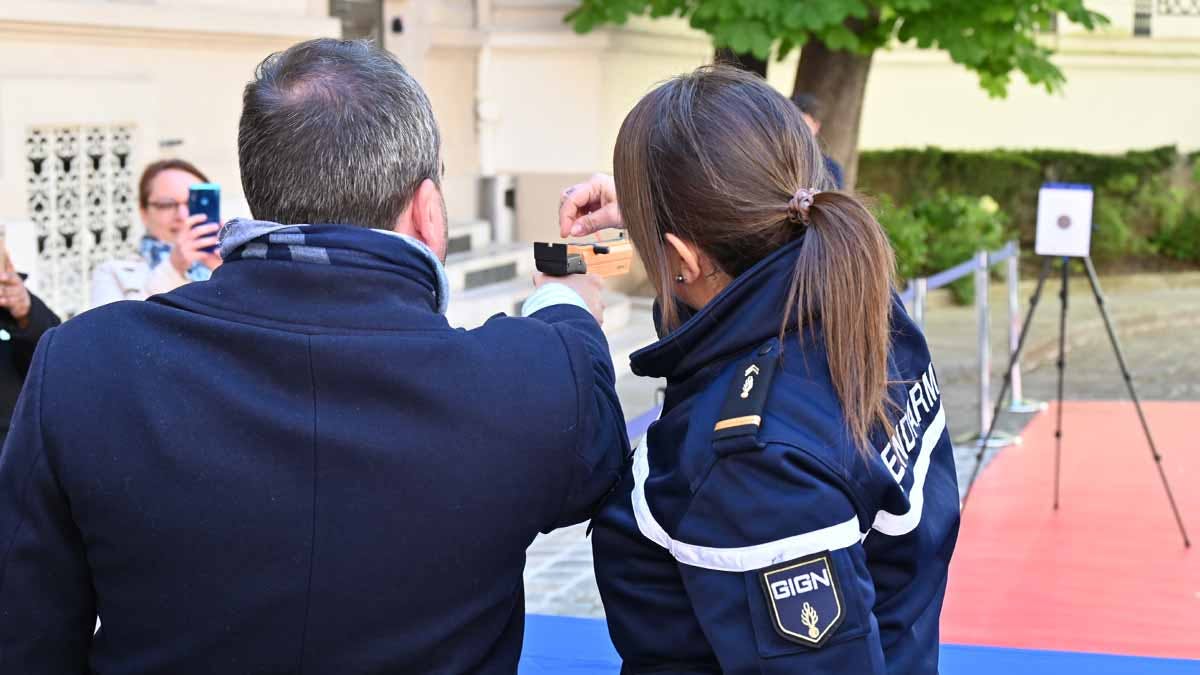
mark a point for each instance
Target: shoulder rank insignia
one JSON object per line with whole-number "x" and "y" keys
{"x": 804, "y": 599}
{"x": 741, "y": 414}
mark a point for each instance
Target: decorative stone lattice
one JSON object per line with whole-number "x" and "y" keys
{"x": 1179, "y": 7}
{"x": 80, "y": 199}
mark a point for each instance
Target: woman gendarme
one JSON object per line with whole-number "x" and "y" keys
{"x": 795, "y": 507}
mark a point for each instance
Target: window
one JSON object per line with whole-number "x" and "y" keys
{"x": 361, "y": 19}
{"x": 81, "y": 201}
{"x": 1179, "y": 8}
{"x": 1142, "y": 11}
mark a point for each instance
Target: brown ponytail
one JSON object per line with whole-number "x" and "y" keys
{"x": 717, "y": 158}
{"x": 844, "y": 276}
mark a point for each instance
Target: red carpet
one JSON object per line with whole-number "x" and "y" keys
{"x": 1107, "y": 572}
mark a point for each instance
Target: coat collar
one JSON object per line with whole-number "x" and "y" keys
{"x": 366, "y": 280}
{"x": 745, "y": 314}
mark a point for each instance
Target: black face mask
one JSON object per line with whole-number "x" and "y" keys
{"x": 681, "y": 310}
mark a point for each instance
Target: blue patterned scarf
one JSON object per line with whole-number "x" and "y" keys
{"x": 156, "y": 252}
{"x": 245, "y": 239}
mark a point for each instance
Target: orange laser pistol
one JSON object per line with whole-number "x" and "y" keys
{"x": 610, "y": 258}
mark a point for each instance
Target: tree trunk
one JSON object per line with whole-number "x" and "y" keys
{"x": 839, "y": 80}
{"x": 748, "y": 62}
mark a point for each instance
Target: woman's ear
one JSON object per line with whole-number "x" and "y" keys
{"x": 687, "y": 257}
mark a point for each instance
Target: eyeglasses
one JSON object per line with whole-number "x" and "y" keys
{"x": 167, "y": 205}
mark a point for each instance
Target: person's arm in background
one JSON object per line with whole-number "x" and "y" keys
{"x": 31, "y": 318}
{"x": 25, "y": 339}
{"x": 47, "y": 603}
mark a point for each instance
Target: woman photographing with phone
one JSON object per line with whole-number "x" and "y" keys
{"x": 795, "y": 507}
{"x": 178, "y": 246}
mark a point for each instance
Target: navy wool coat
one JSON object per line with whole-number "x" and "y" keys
{"x": 295, "y": 468}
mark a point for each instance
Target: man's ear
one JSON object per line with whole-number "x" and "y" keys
{"x": 689, "y": 258}
{"x": 425, "y": 218}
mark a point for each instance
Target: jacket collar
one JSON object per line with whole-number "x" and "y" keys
{"x": 745, "y": 314}
{"x": 321, "y": 277}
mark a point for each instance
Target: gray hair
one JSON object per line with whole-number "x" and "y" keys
{"x": 335, "y": 131}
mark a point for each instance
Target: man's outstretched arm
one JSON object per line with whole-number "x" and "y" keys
{"x": 602, "y": 445}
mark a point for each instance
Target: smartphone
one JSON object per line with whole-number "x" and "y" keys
{"x": 205, "y": 198}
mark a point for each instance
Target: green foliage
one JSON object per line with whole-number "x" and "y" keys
{"x": 993, "y": 38}
{"x": 1111, "y": 235}
{"x": 909, "y": 235}
{"x": 1176, "y": 211}
{"x": 941, "y": 231}
{"x": 1147, "y": 204}
{"x": 960, "y": 225}
{"x": 1181, "y": 240}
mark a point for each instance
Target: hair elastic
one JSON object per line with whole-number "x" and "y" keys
{"x": 800, "y": 203}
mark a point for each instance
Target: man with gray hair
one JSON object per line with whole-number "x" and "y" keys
{"x": 298, "y": 466}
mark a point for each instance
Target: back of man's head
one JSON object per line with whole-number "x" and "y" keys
{"x": 335, "y": 131}
{"x": 808, "y": 104}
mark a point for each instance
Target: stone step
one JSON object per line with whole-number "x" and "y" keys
{"x": 465, "y": 236}
{"x": 471, "y": 308}
{"x": 490, "y": 264}
{"x": 628, "y": 325}
{"x": 636, "y": 332}
{"x": 617, "y": 310}
{"x": 638, "y": 394}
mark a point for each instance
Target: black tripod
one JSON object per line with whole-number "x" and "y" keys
{"x": 1062, "y": 343}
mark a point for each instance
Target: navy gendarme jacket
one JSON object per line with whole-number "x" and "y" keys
{"x": 752, "y": 536}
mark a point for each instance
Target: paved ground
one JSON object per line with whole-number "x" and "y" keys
{"x": 1157, "y": 320}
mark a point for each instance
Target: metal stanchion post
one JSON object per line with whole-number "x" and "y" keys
{"x": 983, "y": 311}
{"x": 985, "y": 349}
{"x": 920, "y": 289}
{"x": 1017, "y": 403}
{"x": 1014, "y": 321}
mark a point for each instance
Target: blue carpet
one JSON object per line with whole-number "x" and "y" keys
{"x": 562, "y": 644}
{"x": 637, "y": 426}
{"x": 557, "y": 644}
{"x": 967, "y": 659}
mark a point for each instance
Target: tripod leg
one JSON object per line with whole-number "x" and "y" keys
{"x": 1112, "y": 336}
{"x": 1062, "y": 366}
{"x": 1033, "y": 303}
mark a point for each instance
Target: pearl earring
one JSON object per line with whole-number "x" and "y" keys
{"x": 679, "y": 278}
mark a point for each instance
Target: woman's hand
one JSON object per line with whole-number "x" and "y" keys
{"x": 191, "y": 242}
{"x": 589, "y": 207}
{"x": 14, "y": 297}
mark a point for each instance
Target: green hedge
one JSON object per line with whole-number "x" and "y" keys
{"x": 936, "y": 203}
{"x": 940, "y": 232}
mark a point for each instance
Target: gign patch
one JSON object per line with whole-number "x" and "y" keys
{"x": 804, "y": 599}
